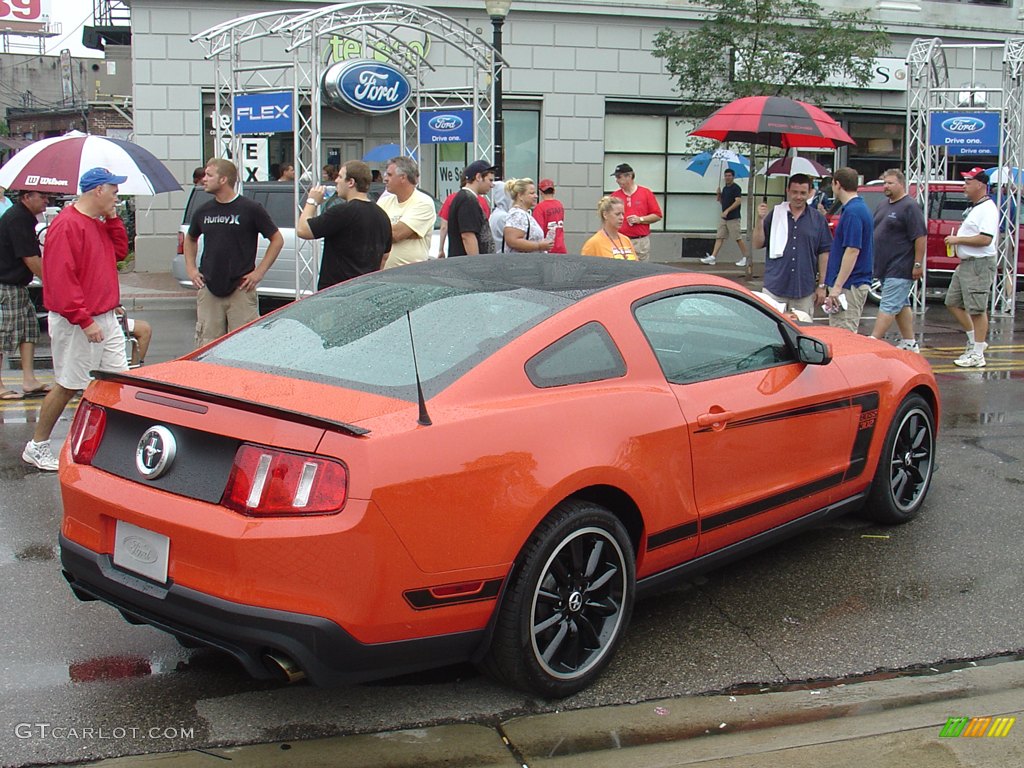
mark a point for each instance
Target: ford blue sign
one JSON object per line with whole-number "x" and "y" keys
{"x": 445, "y": 123}
{"x": 962, "y": 124}
{"x": 366, "y": 86}
{"x": 965, "y": 133}
{"x": 452, "y": 126}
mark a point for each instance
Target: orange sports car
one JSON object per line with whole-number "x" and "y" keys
{"x": 487, "y": 458}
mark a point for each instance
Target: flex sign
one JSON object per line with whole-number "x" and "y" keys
{"x": 965, "y": 133}
{"x": 263, "y": 112}
{"x": 453, "y": 126}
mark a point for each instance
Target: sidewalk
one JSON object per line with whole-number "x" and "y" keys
{"x": 894, "y": 723}
{"x": 154, "y": 290}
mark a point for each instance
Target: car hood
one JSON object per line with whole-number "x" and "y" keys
{"x": 327, "y": 401}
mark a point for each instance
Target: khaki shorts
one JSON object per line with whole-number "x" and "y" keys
{"x": 74, "y": 356}
{"x": 642, "y": 247}
{"x": 804, "y": 303}
{"x": 217, "y": 315}
{"x": 729, "y": 229}
{"x": 849, "y": 318}
{"x": 971, "y": 285}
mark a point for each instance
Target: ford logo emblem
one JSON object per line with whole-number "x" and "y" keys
{"x": 963, "y": 124}
{"x": 366, "y": 86}
{"x": 139, "y": 548}
{"x": 445, "y": 123}
{"x": 155, "y": 452}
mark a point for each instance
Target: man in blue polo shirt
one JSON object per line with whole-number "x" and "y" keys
{"x": 797, "y": 241}
{"x": 851, "y": 258}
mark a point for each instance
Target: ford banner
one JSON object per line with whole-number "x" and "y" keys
{"x": 450, "y": 126}
{"x": 965, "y": 133}
{"x": 366, "y": 86}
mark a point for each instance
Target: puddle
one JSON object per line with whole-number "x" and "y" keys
{"x": 37, "y": 553}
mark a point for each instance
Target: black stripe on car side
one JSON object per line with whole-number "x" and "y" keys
{"x": 868, "y": 403}
{"x": 833, "y": 405}
{"x": 421, "y": 599}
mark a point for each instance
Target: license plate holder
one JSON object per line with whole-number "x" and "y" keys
{"x": 141, "y": 551}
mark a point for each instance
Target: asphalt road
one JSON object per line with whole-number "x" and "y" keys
{"x": 848, "y": 598}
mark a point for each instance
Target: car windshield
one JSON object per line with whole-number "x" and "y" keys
{"x": 356, "y": 335}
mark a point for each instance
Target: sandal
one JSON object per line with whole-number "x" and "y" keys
{"x": 40, "y": 391}
{"x": 10, "y": 394}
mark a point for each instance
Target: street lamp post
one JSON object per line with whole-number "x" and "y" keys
{"x": 498, "y": 10}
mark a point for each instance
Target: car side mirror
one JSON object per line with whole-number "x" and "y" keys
{"x": 812, "y": 351}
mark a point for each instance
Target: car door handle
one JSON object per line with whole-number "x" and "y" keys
{"x": 715, "y": 418}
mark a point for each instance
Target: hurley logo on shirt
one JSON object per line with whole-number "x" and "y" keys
{"x": 221, "y": 219}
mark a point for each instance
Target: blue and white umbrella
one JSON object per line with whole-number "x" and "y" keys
{"x": 1003, "y": 175}
{"x": 718, "y": 162}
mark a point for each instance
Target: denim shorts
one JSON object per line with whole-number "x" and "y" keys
{"x": 895, "y": 294}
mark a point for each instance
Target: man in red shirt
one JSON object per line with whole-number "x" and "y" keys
{"x": 550, "y": 214}
{"x": 642, "y": 210}
{"x": 81, "y": 290}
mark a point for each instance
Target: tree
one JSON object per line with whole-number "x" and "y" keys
{"x": 772, "y": 48}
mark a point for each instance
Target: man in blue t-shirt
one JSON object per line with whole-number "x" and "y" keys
{"x": 851, "y": 258}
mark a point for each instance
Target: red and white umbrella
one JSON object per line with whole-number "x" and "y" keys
{"x": 55, "y": 165}
{"x": 789, "y": 165}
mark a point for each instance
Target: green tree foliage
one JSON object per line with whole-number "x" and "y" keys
{"x": 771, "y": 48}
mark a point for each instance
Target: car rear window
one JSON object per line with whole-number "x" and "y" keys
{"x": 357, "y": 335}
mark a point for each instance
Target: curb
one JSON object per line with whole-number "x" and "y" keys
{"x": 841, "y": 725}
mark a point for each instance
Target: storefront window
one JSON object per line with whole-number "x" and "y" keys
{"x": 522, "y": 143}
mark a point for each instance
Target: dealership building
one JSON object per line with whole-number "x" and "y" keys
{"x": 581, "y": 92}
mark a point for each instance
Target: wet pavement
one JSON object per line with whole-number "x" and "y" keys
{"x": 846, "y": 599}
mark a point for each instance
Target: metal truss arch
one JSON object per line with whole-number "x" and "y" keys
{"x": 929, "y": 90}
{"x": 246, "y": 61}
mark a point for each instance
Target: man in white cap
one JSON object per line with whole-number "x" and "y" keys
{"x": 80, "y": 288}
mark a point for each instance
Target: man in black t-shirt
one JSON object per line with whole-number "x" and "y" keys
{"x": 730, "y": 196}
{"x": 468, "y": 230}
{"x": 228, "y": 275}
{"x": 20, "y": 259}
{"x": 357, "y": 233}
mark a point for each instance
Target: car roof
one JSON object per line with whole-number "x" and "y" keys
{"x": 571, "y": 277}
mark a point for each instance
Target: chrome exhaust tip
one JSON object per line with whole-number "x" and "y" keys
{"x": 285, "y": 665}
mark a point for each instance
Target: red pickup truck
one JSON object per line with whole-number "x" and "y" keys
{"x": 946, "y": 205}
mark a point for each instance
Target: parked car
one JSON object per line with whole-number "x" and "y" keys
{"x": 279, "y": 200}
{"x": 480, "y": 459}
{"x": 947, "y": 205}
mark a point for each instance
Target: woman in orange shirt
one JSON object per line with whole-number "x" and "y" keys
{"x": 608, "y": 242}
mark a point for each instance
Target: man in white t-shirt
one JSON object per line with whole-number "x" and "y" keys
{"x": 411, "y": 212}
{"x": 975, "y": 245}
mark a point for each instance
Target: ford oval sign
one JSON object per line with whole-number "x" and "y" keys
{"x": 962, "y": 124}
{"x": 445, "y": 123}
{"x": 366, "y": 86}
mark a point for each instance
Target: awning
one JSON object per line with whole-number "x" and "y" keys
{"x": 12, "y": 143}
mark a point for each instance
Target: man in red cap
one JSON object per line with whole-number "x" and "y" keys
{"x": 975, "y": 245}
{"x": 550, "y": 214}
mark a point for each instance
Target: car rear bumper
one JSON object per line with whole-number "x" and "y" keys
{"x": 327, "y": 654}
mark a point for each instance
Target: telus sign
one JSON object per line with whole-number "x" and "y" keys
{"x": 366, "y": 86}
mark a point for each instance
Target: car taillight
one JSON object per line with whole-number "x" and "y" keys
{"x": 267, "y": 481}
{"x": 87, "y": 432}
{"x": 181, "y": 243}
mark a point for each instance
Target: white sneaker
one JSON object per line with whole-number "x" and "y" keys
{"x": 971, "y": 359}
{"x": 708, "y": 259}
{"x": 742, "y": 262}
{"x": 910, "y": 345}
{"x": 40, "y": 456}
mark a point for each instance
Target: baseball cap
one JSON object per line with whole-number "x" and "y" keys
{"x": 977, "y": 173}
{"x": 546, "y": 185}
{"x": 622, "y": 168}
{"x": 94, "y": 177}
{"x": 481, "y": 167}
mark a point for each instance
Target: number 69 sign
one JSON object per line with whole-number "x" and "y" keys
{"x": 24, "y": 10}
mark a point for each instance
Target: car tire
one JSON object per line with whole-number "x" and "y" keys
{"x": 567, "y": 604}
{"x": 906, "y": 465}
{"x": 875, "y": 291}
